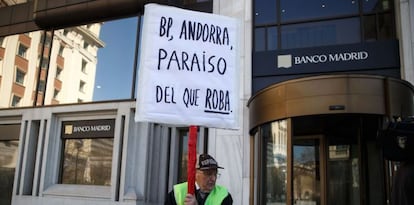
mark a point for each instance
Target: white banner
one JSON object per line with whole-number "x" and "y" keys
{"x": 188, "y": 70}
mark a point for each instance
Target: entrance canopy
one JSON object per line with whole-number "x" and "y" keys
{"x": 332, "y": 94}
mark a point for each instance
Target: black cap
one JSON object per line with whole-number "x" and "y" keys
{"x": 206, "y": 161}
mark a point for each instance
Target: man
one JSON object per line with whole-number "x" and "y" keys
{"x": 207, "y": 192}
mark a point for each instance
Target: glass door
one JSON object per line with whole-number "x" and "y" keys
{"x": 307, "y": 168}
{"x": 343, "y": 184}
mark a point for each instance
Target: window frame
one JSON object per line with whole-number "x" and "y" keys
{"x": 360, "y": 15}
{"x": 20, "y": 52}
{"x": 177, "y": 147}
{"x": 15, "y": 102}
{"x": 55, "y": 157}
{"x": 20, "y": 76}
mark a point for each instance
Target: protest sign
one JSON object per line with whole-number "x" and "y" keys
{"x": 188, "y": 69}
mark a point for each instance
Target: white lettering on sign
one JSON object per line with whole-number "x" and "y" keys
{"x": 349, "y": 56}
{"x": 337, "y": 57}
{"x": 310, "y": 59}
{"x": 197, "y": 31}
{"x": 191, "y": 62}
{"x": 188, "y": 72}
{"x": 94, "y": 128}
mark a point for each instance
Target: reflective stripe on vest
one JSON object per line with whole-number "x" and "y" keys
{"x": 216, "y": 196}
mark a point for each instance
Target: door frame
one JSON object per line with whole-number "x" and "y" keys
{"x": 322, "y": 160}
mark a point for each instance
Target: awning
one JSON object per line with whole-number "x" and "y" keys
{"x": 332, "y": 94}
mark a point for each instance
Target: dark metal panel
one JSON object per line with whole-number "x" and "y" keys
{"x": 50, "y": 14}
{"x": 55, "y": 14}
{"x": 17, "y": 19}
{"x": 259, "y": 83}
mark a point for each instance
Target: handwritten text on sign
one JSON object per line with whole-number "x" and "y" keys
{"x": 188, "y": 68}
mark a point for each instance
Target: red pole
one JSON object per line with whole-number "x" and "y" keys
{"x": 192, "y": 158}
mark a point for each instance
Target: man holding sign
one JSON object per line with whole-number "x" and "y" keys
{"x": 189, "y": 75}
{"x": 207, "y": 192}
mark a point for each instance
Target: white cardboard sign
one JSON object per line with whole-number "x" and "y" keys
{"x": 188, "y": 70}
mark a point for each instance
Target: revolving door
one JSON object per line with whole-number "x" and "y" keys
{"x": 316, "y": 139}
{"x": 331, "y": 159}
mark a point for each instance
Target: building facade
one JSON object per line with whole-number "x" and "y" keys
{"x": 30, "y": 70}
{"x": 318, "y": 82}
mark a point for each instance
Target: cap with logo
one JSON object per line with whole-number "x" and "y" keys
{"x": 206, "y": 161}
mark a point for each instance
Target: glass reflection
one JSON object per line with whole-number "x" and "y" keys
{"x": 5, "y": 3}
{"x": 275, "y": 155}
{"x": 78, "y": 64}
{"x": 8, "y": 159}
{"x": 87, "y": 161}
{"x": 376, "y": 5}
{"x": 183, "y": 140}
{"x": 322, "y": 33}
{"x": 264, "y": 12}
{"x": 343, "y": 173}
{"x": 259, "y": 39}
{"x": 293, "y": 10}
{"x": 272, "y": 38}
{"x": 385, "y": 26}
{"x": 306, "y": 172}
{"x": 370, "y": 29}
{"x": 114, "y": 74}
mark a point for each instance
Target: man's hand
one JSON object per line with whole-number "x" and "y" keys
{"x": 190, "y": 200}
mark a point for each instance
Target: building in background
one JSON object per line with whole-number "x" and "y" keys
{"x": 319, "y": 80}
{"x": 66, "y": 75}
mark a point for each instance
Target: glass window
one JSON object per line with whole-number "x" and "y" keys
{"x": 82, "y": 86}
{"x": 259, "y": 39}
{"x": 48, "y": 39}
{"x": 42, "y": 86}
{"x": 272, "y": 38}
{"x": 183, "y": 155}
{"x": 58, "y": 72}
{"x": 16, "y": 101}
{"x": 114, "y": 73}
{"x": 294, "y": 10}
{"x": 306, "y": 171}
{"x": 55, "y": 94}
{"x": 87, "y": 161}
{"x": 378, "y": 27}
{"x": 61, "y": 50}
{"x": 370, "y": 28}
{"x": 385, "y": 26}
{"x": 86, "y": 44}
{"x": 20, "y": 76}
{"x": 106, "y": 67}
{"x": 84, "y": 64}
{"x": 343, "y": 173}
{"x": 45, "y": 63}
{"x": 22, "y": 50}
{"x": 342, "y": 31}
{"x": 274, "y": 165}
{"x": 265, "y": 12}
{"x": 8, "y": 159}
{"x": 376, "y": 5}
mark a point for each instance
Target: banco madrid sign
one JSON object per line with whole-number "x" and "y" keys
{"x": 286, "y": 61}
{"x": 337, "y": 58}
